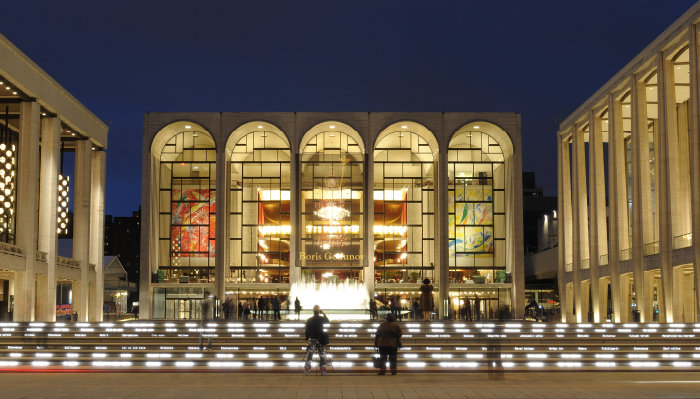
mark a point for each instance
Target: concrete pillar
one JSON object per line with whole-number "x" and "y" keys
{"x": 48, "y": 197}
{"x": 223, "y": 208}
{"x": 603, "y": 300}
{"x": 81, "y": 224}
{"x": 668, "y": 180}
{"x": 598, "y": 229}
{"x": 562, "y": 164}
{"x": 27, "y": 204}
{"x": 97, "y": 231}
{"x": 580, "y": 217}
{"x": 641, "y": 196}
{"x": 695, "y": 157}
{"x": 567, "y": 221}
{"x": 617, "y": 200}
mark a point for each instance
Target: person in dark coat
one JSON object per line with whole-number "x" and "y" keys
{"x": 388, "y": 340}
{"x": 426, "y": 299}
{"x": 297, "y": 308}
{"x": 276, "y": 307}
{"x": 316, "y": 339}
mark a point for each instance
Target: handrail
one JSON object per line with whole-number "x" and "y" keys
{"x": 68, "y": 262}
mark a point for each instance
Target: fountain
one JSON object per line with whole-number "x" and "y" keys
{"x": 340, "y": 300}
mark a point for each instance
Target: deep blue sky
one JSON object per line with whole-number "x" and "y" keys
{"x": 122, "y": 59}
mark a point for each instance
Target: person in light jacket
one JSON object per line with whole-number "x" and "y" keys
{"x": 388, "y": 341}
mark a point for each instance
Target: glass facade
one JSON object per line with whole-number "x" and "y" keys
{"x": 259, "y": 209}
{"x": 187, "y": 203}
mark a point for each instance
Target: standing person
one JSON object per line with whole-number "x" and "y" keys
{"x": 317, "y": 339}
{"x": 426, "y": 299}
{"x": 388, "y": 341}
{"x": 297, "y": 308}
{"x": 276, "y": 306}
{"x": 372, "y": 309}
{"x": 261, "y": 307}
{"x": 205, "y": 307}
{"x": 240, "y": 310}
{"x": 415, "y": 308}
{"x": 477, "y": 307}
{"x": 468, "y": 309}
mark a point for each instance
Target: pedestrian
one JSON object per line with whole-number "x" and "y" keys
{"x": 477, "y": 307}
{"x": 372, "y": 309}
{"x": 240, "y": 310}
{"x": 297, "y": 308}
{"x": 316, "y": 339}
{"x": 276, "y": 306}
{"x": 426, "y": 299}
{"x": 205, "y": 308}
{"x": 388, "y": 341}
{"x": 415, "y": 309}
{"x": 246, "y": 311}
{"x": 261, "y": 307}
{"x": 468, "y": 309}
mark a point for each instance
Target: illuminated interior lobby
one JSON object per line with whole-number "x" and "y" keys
{"x": 275, "y": 202}
{"x": 629, "y": 189}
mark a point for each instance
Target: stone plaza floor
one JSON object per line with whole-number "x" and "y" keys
{"x": 154, "y": 385}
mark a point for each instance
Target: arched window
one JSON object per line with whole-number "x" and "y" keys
{"x": 477, "y": 205}
{"x": 331, "y": 203}
{"x": 404, "y": 203}
{"x": 260, "y": 204}
{"x": 187, "y": 204}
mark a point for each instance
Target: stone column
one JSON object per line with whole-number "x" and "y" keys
{"x": 567, "y": 221}
{"x": 27, "y": 203}
{"x": 443, "y": 261}
{"x": 667, "y": 175}
{"x": 598, "y": 229}
{"x": 48, "y": 218}
{"x": 617, "y": 200}
{"x": 294, "y": 193}
{"x": 223, "y": 192}
{"x": 580, "y": 218}
{"x": 368, "y": 222}
{"x": 97, "y": 231}
{"x": 641, "y": 195}
{"x": 562, "y": 164}
{"x": 81, "y": 224}
{"x": 695, "y": 158}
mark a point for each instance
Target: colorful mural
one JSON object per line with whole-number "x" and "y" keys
{"x": 193, "y": 222}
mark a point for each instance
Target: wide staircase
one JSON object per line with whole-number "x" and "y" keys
{"x": 436, "y": 346}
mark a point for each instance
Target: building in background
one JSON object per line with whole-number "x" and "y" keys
{"x": 248, "y": 204}
{"x": 118, "y": 289}
{"x": 636, "y": 143}
{"x": 39, "y": 122}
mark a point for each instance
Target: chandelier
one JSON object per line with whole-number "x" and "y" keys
{"x": 7, "y": 178}
{"x": 332, "y": 212}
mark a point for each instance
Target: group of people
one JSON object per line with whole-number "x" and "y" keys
{"x": 255, "y": 309}
{"x": 423, "y": 305}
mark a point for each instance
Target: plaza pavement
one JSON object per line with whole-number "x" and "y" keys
{"x": 155, "y": 385}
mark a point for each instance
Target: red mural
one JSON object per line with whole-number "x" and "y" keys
{"x": 193, "y": 223}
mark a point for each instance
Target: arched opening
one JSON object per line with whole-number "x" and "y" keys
{"x": 259, "y": 211}
{"x": 404, "y": 203}
{"x": 186, "y": 181}
{"x": 331, "y": 203}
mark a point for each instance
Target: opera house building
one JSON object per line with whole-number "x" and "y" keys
{"x": 332, "y": 208}
{"x": 629, "y": 189}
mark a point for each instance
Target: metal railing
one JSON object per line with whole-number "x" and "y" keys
{"x": 41, "y": 256}
{"x": 68, "y": 262}
{"x": 651, "y": 248}
{"x": 603, "y": 260}
{"x": 683, "y": 241}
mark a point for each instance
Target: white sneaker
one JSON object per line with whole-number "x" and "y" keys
{"x": 307, "y": 371}
{"x": 323, "y": 372}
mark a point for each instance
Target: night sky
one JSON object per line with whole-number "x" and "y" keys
{"x": 122, "y": 59}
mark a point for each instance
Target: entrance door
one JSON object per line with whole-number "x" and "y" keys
{"x": 182, "y": 309}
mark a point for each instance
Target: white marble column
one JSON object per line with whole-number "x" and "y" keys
{"x": 617, "y": 181}
{"x": 561, "y": 250}
{"x": 81, "y": 225}
{"x": 598, "y": 229}
{"x": 369, "y": 222}
{"x": 695, "y": 158}
{"x": 667, "y": 180}
{"x": 294, "y": 198}
{"x": 97, "y": 231}
{"x": 27, "y": 204}
{"x": 443, "y": 261}
{"x": 567, "y": 221}
{"x": 641, "y": 195}
{"x": 48, "y": 217}
{"x": 580, "y": 219}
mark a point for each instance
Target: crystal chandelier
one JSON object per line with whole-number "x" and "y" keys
{"x": 7, "y": 178}
{"x": 332, "y": 212}
{"x": 62, "y": 208}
